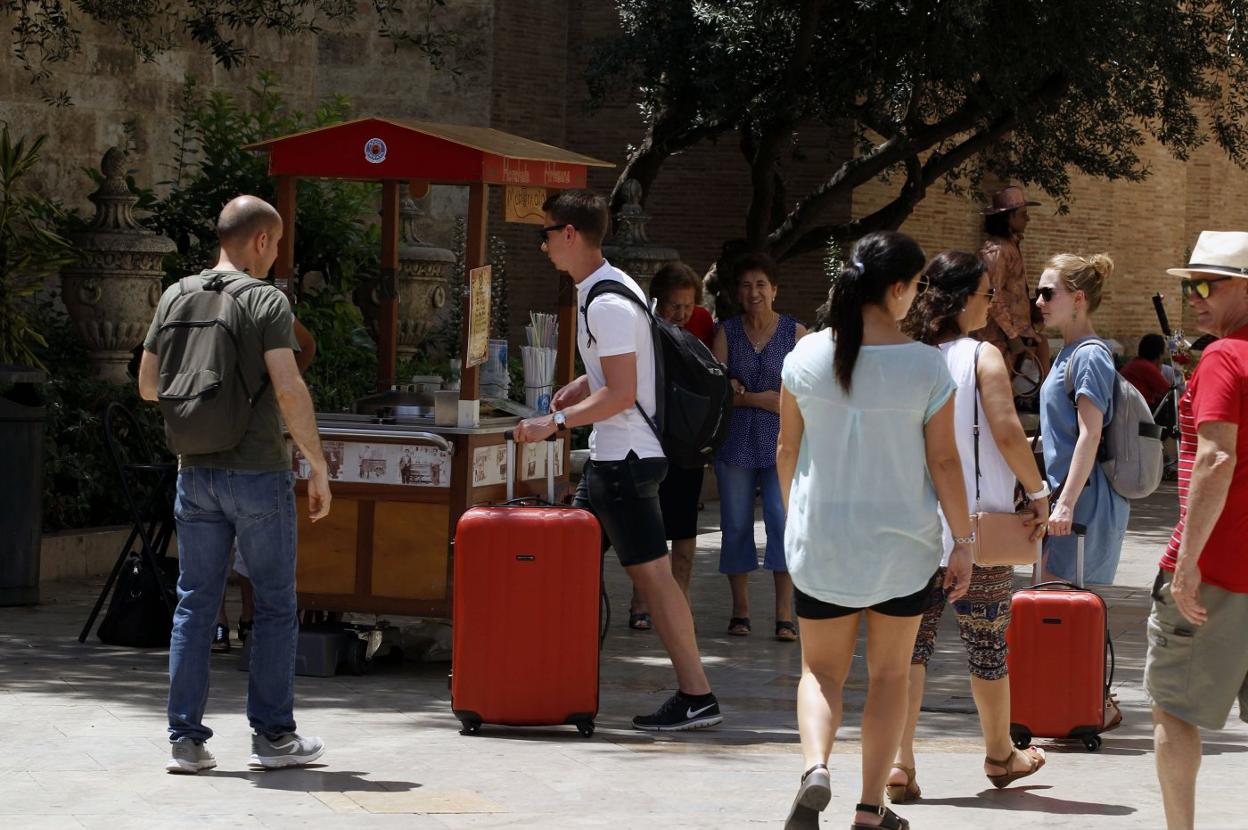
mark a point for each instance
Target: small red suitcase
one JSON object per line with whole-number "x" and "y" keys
{"x": 526, "y": 612}
{"x": 1059, "y": 645}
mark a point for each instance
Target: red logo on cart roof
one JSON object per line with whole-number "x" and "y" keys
{"x": 375, "y": 150}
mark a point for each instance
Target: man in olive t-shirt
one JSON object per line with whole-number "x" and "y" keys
{"x": 246, "y": 492}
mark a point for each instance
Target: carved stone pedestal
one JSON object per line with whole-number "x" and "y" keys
{"x": 630, "y": 248}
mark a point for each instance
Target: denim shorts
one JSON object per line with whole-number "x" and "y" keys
{"x": 624, "y": 495}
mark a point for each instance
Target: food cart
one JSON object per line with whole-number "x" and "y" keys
{"x": 399, "y": 480}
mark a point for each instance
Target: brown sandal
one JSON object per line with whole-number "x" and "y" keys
{"x": 902, "y": 793}
{"x": 1034, "y": 756}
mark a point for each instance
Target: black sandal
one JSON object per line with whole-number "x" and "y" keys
{"x": 812, "y": 797}
{"x": 639, "y": 621}
{"x": 888, "y": 819}
{"x": 220, "y": 639}
{"x": 739, "y": 622}
{"x": 786, "y": 626}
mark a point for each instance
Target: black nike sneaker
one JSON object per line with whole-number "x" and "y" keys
{"x": 681, "y": 712}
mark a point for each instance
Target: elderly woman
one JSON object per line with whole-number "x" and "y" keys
{"x": 676, "y": 291}
{"x": 754, "y": 346}
{"x": 1076, "y": 402}
{"x": 995, "y": 459}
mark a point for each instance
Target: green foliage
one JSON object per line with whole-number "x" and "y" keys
{"x": 47, "y": 33}
{"x": 336, "y": 235}
{"x": 80, "y": 486}
{"x": 30, "y": 248}
{"x": 921, "y": 93}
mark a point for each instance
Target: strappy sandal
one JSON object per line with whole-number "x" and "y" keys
{"x": 888, "y": 819}
{"x": 786, "y": 631}
{"x": 639, "y": 621}
{"x": 909, "y": 791}
{"x": 1036, "y": 761}
{"x": 812, "y": 796}
{"x": 735, "y": 624}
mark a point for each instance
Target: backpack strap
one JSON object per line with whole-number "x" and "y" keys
{"x": 236, "y": 289}
{"x": 617, "y": 287}
{"x": 1070, "y": 381}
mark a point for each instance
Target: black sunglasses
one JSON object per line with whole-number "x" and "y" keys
{"x": 1202, "y": 287}
{"x": 1046, "y": 293}
{"x": 544, "y": 231}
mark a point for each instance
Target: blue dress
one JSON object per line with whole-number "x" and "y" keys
{"x": 1100, "y": 508}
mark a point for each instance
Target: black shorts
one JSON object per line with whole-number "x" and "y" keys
{"x": 911, "y": 605}
{"x": 678, "y": 498}
{"x": 624, "y": 495}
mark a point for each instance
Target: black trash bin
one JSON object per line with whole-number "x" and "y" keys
{"x": 21, "y": 483}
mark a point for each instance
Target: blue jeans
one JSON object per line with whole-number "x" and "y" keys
{"x": 737, "y": 485}
{"x": 213, "y": 508}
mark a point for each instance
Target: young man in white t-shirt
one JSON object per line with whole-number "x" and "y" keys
{"x": 627, "y": 464}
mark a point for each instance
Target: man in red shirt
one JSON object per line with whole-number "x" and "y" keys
{"x": 1144, "y": 371}
{"x": 1197, "y": 652}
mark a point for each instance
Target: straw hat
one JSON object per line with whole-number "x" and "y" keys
{"x": 1217, "y": 252}
{"x": 1009, "y": 198}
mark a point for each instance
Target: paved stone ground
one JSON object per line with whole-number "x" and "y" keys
{"x": 82, "y": 737}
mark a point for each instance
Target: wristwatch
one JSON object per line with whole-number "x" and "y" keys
{"x": 1043, "y": 493}
{"x": 965, "y": 540}
{"x": 560, "y": 420}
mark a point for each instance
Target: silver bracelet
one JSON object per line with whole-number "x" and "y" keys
{"x": 965, "y": 540}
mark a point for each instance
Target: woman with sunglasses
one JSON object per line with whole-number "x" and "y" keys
{"x": 955, "y": 303}
{"x": 1072, "y": 421}
{"x": 867, "y": 455}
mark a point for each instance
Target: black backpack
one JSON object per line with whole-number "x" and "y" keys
{"x": 693, "y": 394}
{"x": 203, "y": 395}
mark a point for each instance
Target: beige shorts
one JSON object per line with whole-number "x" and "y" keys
{"x": 1196, "y": 672}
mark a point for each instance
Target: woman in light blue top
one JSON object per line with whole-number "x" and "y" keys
{"x": 867, "y": 454}
{"x": 1072, "y": 416}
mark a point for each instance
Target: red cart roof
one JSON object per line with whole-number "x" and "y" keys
{"x": 373, "y": 149}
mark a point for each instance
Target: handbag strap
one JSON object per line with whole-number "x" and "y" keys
{"x": 975, "y": 423}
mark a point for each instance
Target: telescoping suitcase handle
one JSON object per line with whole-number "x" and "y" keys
{"x": 1081, "y": 532}
{"x": 514, "y": 471}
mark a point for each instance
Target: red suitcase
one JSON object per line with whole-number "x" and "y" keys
{"x": 526, "y": 612}
{"x": 1059, "y": 646}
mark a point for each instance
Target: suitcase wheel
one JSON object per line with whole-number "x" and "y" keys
{"x": 1020, "y": 737}
{"x": 1092, "y": 743}
{"x": 586, "y": 728}
{"x": 356, "y": 657}
{"x": 471, "y": 726}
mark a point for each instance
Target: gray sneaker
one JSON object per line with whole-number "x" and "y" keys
{"x": 289, "y": 750}
{"x": 189, "y": 757}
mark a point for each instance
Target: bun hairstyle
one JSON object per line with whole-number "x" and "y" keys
{"x": 1087, "y": 274}
{"x": 877, "y": 262}
{"x": 952, "y": 277}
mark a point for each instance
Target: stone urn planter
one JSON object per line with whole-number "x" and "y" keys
{"x": 630, "y": 248}
{"x": 422, "y": 281}
{"x": 111, "y": 294}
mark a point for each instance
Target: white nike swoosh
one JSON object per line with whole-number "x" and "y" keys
{"x": 693, "y": 713}
{"x": 286, "y": 747}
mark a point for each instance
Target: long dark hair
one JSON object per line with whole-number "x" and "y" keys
{"x": 952, "y": 277}
{"x": 878, "y": 261}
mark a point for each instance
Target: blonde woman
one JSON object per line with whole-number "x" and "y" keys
{"x": 1072, "y": 416}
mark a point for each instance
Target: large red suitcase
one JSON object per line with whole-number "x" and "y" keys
{"x": 526, "y": 612}
{"x": 1059, "y": 645}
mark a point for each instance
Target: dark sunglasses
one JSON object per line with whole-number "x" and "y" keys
{"x": 546, "y": 230}
{"x": 1046, "y": 293}
{"x": 1202, "y": 287}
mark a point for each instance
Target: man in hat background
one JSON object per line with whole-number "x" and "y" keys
{"x": 1011, "y": 321}
{"x": 1197, "y": 655}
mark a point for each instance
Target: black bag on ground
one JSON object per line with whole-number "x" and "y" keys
{"x": 138, "y": 615}
{"x": 203, "y": 395}
{"x": 693, "y": 394}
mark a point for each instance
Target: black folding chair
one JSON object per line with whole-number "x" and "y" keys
{"x": 147, "y": 484}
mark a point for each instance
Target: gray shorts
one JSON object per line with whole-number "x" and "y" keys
{"x": 1196, "y": 672}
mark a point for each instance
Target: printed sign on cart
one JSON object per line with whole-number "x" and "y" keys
{"x": 489, "y": 465}
{"x": 479, "y": 299}
{"x": 533, "y": 460}
{"x": 405, "y": 465}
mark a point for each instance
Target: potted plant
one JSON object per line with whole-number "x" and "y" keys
{"x": 30, "y": 251}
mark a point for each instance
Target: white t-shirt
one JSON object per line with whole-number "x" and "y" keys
{"x": 619, "y": 327}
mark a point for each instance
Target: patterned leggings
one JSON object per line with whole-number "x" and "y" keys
{"x": 983, "y": 616}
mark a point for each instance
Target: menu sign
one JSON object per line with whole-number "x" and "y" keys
{"x": 524, "y": 204}
{"x": 478, "y": 316}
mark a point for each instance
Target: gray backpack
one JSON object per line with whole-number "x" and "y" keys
{"x": 1130, "y": 449}
{"x": 203, "y": 395}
